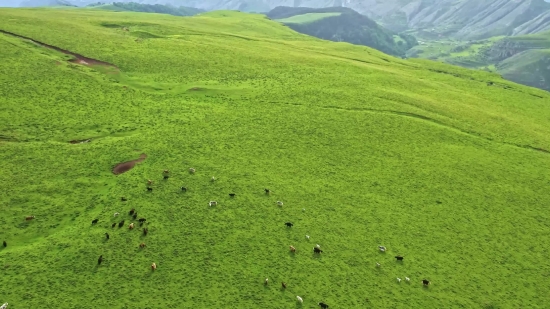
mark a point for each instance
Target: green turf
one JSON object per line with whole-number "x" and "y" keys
{"x": 363, "y": 149}
{"x": 307, "y": 18}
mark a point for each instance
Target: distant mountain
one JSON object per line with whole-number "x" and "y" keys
{"x": 147, "y": 8}
{"x": 343, "y": 25}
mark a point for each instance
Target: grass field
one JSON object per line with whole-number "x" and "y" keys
{"x": 445, "y": 166}
{"x": 307, "y": 18}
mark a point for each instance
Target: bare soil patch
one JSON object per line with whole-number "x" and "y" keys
{"x": 126, "y": 166}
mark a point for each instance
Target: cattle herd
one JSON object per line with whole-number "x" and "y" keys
{"x": 166, "y": 174}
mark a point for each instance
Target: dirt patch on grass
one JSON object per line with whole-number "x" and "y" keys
{"x": 126, "y": 166}
{"x": 80, "y": 141}
{"x": 79, "y": 59}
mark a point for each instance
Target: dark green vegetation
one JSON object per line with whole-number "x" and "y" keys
{"x": 445, "y": 166}
{"x": 343, "y": 25}
{"x": 523, "y": 59}
{"x": 148, "y": 8}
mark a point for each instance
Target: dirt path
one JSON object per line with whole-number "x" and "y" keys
{"x": 126, "y": 166}
{"x": 78, "y": 58}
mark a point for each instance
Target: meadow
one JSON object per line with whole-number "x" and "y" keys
{"x": 445, "y": 166}
{"x": 307, "y": 18}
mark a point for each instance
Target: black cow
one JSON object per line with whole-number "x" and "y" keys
{"x": 149, "y": 189}
{"x": 323, "y": 305}
{"x": 95, "y": 221}
{"x": 132, "y": 211}
{"x": 123, "y": 199}
{"x": 267, "y": 191}
{"x": 283, "y": 285}
{"x": 121, "y": 223}
{"x": 5, "y": 244}
{"x": 142, "y": 220}
{"x": 100, "y": 260}
{"x": 113, "y": 225}
{"x": 399, "y": 258}
{"x": 289, "y": 224}
{"x": 425, "y": 282}
{"x": 184, "y": 189}
{"x": 317, "y": 250}
{"x": 107, "y": 235}
{"x": 135, "y": 215}
{"x": 145, "y": 231}
{"x": 232, "y": 194}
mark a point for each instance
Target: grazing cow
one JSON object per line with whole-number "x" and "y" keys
{"x": 149, "y": 182}
{"x": 5, "y": 244}
{"x": 145, "y": 231}
{"x": 289, "y": 224}
{"x": 123, "y": 199}
{"x": 279, "y": 203}
{"x": 135, "y": 215}
{"x": 267, "y": 191}
{"x": 116, "y": 214}
{"x": 121, "y": 223}
{"x": 184, "y": 189}
{"x": 307, "y": 237}
{"x": 283, "y": 285}
{"x": 231, "y": 194}
{"x": 408, "y": 279}
{"x": 166, "y": 174}
{"x": 399, "y": 280}
{"x": 213, "y": 179}
{"x": 213, "y": 203}
{"x": 317, "y": 250}
{"x": 382, "y": 248}
{"x": 292, "y": 249}
{"x": 323, "y": 305}
{"x": 425, "y": 282}
{"x": 107, "y": 236}
{"x": 131, "y": 226}
{"x": 300, "y": 299}
{"x": 142, "y": 220}
{"x": 378, "y": 265}
{"x": 29, "y": 218}
{"x": 192, "y": 170}
{"x": 149, "y": 189}
{"x": 132, "y": 211}
{"x": 100, "y": 260}
{"x": 95, "y": 221}
{"x": 153, "y": 266}
{"x": 4, "y": 306}
{"x": 266, "y": 281}
{"x": 317, "y": 246}
{"x": 399, "y": 258}
{"x": 113, "y": 225}
{"x": 142, "y": 245}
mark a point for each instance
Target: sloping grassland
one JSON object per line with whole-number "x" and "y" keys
{"x": 444, "y": 166}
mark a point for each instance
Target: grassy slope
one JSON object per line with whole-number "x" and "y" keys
{"x": 307, "y": 18}
{"x": 364, "y": 142}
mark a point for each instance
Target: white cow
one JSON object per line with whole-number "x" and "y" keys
{"x": 299, "y": 299}
{"x": 4, "y": 306}
{"x": 279, "y": 203}
{"x": 213, "y": 203}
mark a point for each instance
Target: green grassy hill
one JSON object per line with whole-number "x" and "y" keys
{"x": 445, "y": 166}
{"x": 522, "y": 59}
{"x": 147, "y": 8}
{"x": 343, "y": 25}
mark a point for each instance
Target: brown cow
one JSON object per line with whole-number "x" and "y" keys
{"x": 29, "y": 218}
{"x": 131, "y": 226}
{"x": 292, "y": 249}
{"x": 142, "y": 245}
{"x": 153, "y": 266}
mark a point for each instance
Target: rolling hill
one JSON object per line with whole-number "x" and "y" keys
{"x": 445, "y": 166}
{"x": 147, "y": 8}
{"x": 343, "y": 25}
{"x": 523, "y": 59}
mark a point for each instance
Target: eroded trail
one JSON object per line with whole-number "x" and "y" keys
{"x": 77, "y": 57}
